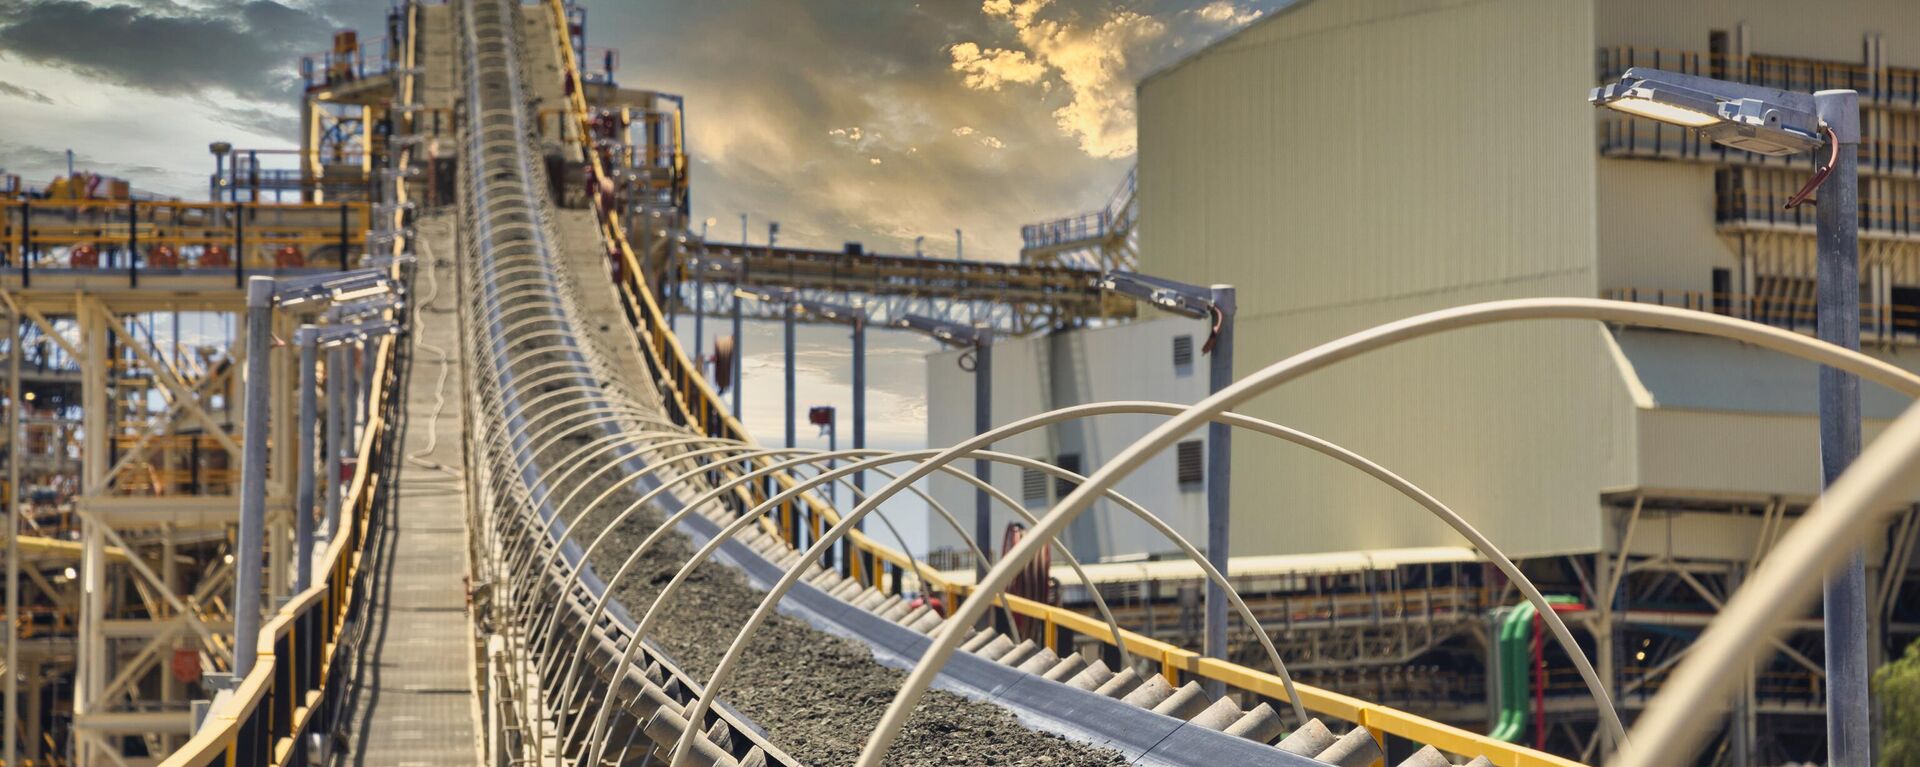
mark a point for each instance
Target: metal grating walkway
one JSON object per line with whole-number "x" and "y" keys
{"x": 415, "y": 703}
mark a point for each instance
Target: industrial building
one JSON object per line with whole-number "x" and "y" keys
{"x": 1349, "y": 164}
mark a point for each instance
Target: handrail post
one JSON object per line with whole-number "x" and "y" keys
{"x": 26, "y": 244}
{"x": 239, "y": 244}
{"x": 133, "y": 243}
{"x": 343, "y": 235}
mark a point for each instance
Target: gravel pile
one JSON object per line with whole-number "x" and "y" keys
{"x": 817, "y": 695}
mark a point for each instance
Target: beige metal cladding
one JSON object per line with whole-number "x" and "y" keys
{"x": 1348, "y": 164}
{"x": 1831, "y": 29}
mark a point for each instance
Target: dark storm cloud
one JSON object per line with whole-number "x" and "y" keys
{"x": 19, "y": 92}
{"x": 280, "y": 124}
{"x": 248, "y": 47}
{"x": 38, "y": 163}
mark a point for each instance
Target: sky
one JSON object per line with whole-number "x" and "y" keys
{"x": 852, "y": 120}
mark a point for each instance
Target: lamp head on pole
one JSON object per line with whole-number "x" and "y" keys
{"x": 1761, "y": 120}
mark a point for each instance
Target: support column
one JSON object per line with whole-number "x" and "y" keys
{"x": 1219, "y": 479}
{"x": 12, "y": 746}
{"x": 787, "y": 317}
{"x": 982, "y": 423}
{"x": 253, "y": 477}
{"x": 96, "y": 409}
{"x": 739, "y": 340}
{"x": 860, "y": 397}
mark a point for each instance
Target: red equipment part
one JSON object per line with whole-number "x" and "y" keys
{"x": 215, "y": 257}
{"x": 289, "y": 257}
{"x": 722, "y": 364}
{"x": 932, "y": 602}
{"x": 185, "y": 665}
{"x": 820, "y": 415}
{"x": 84, "y": 256}
{"x": 1035, "y": 581}
{"x": 163, "y": 257}
{"x": 1540, "y": 673}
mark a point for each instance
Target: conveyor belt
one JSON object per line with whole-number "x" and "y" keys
{"x": 536, "y": 368}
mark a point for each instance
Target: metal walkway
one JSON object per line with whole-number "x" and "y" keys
{"x": 415, "y": 705}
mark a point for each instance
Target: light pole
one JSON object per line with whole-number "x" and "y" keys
{"x": 1783, "y": 123}
{"x": 981, "y": 339}
{"x": 1215, "y": 304}
{"x": 264, "y": 294}
{"x": 219, "y": 150}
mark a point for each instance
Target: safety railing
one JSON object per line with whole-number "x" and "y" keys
{"x": 1628, "y": 136}
{"x": 292, "y": 694}
{"x": 269, "y": 716}
{"x": 137, "y": 237}
{"x": 1753, "y": 197}
{"x": 692, "y": 402}
{"x": 1114, "y": 218}
{"x": 1792, "y": 309}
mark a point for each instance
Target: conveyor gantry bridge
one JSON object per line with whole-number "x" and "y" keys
{"x": 1012, "y": 298}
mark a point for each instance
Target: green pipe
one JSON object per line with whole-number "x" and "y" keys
{"x": 1515, "y": 653}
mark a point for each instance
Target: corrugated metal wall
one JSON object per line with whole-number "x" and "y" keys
{"x": 1830, "y": 29}
{"x": 1354, "y": 163}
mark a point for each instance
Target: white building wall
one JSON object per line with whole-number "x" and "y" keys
{"x": 1036, "y": 374}
{"x": 1348, "y": 164}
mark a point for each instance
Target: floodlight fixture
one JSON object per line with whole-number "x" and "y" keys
{"x": 351, "y": 311}
{"x": 831, "y": 311}
{"x": 756, "y": 294}
{"x": 1176, "y": 297}
{"x": 954, "y": 333}
{"x": 334, "y": 287}
{"x": 328, "y": 336}
{"x": 1757, "y": 119}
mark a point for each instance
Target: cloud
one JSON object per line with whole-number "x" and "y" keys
{"x": 994, "y": 67}
{"x": 1224, "y": 12}
{"x": 245, "y": 47}
{"x": 36, "y": 163}
{"x": 20, "y": 92}
{"x": 992, "y": 143}
{"x": 964, "y": 130}
{"x": 1092, "y": 59}
{"x": 267, "y": 122}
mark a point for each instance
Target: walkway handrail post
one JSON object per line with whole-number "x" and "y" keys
{"x": 336, "y": 433}
{"x": 303, "y": 495}
{"x": 253, "y": 477}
